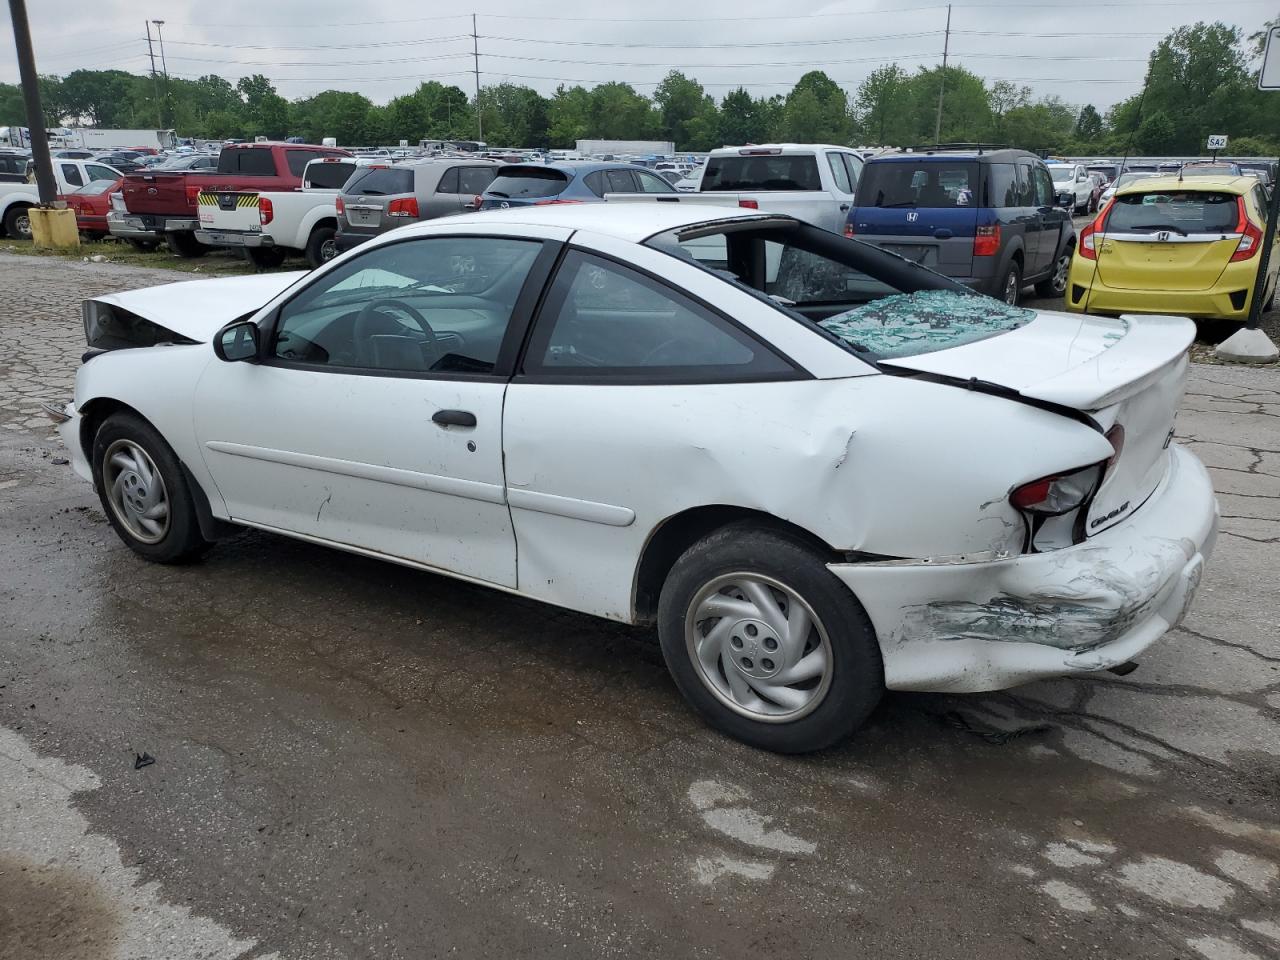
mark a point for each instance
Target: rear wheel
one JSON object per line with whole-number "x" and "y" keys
{"x": 144, "y": 492}
{"x": 185, "y": 244}
{"x": 264, "y": 257}
{"x": 1011, "y": 287}
{"x": 139, "y": 244}
{"x": 766, "y": 643}
{"x": 17, "y": 223}
{"x": 1055, "y": 285}
{"x": 322, "y": 246}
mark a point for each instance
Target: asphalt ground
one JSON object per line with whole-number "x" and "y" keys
{"x": 353, "y": 759}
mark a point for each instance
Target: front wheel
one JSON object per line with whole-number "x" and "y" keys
{"x": 264, "y": 258}
{"x": 185, "y": 244}
{"x": 143, "y": 491}
{"x": 766, "y": 643}
{"x": 1055, "y": 285}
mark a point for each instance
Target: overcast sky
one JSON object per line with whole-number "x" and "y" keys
{"x": 1092, "y": 51}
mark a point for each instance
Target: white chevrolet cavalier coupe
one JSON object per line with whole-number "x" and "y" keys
{"x": 822, "y": 469}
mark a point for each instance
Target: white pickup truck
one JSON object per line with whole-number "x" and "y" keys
{"x": 813, "y": 182}
{"x": 17, "y": 198}
{"x": 270, "y": 225}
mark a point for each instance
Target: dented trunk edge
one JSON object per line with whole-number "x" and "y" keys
{"x": 992, "y": 624}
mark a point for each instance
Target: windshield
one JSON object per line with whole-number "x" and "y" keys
{"x": 1127, "y": 178}
{"x": 1183, "y": 212}
{"x": 1062, "y": 174}
{"x": 924, "y": 183}
{"x": 873, "y": 302}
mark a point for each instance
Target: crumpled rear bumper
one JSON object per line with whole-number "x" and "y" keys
{"x": 973, "y": 626}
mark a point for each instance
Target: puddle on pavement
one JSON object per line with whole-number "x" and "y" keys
{"x": 53, "y": 913}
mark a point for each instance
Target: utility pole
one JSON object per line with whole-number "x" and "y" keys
{"x": 164, "y": 65}
{"x": 475, "y": 50}
{"x": 46, "y": 186}
{"x": 155, "y": 80}
{"x": 942, "y": 78}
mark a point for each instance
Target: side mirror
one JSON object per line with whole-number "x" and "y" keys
{"x": 237, "y": 341}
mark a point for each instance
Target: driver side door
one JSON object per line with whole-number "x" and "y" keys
{"x": 372, "y": 418}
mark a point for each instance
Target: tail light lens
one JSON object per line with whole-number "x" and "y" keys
{"x": 404, "y": 207}
{"x": 1058, "y": 494}
{"x": 340, "y": 206}
{"x": 265, "y": 211}
{"x": 193, "y": 194}
{"x": 1250, "y": 235}
{"x": 848, "y": 230}
{"x": 986, "y": 240}
{"x": 749, "y": 204}
{"x": 1087, "y": 245}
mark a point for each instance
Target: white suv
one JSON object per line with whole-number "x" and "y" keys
{"x": 1072, "y": 187}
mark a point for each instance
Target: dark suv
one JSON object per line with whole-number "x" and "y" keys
{"x": 985, "y": 218}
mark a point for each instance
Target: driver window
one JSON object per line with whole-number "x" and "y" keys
{"x": 604, "y": 319}
{"x": 435, "y": 305}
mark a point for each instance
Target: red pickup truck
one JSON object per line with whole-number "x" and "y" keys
{"x": 165, "y": 203}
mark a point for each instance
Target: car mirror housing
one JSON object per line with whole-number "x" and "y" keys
{"x": 237, "y": 341}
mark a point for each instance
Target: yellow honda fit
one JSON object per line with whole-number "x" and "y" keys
{"x": 1178, "y": 245}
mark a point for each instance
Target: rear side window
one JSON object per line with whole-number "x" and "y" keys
{"x": 520, "y": 183}
{"x": 71, "y": 173}
{"x": 380, "y": 182}
{"x": 927, "y": 183}
{"x": 756, "y": 174}
{"x": 1026, "y": 186}
{"x": 840, "y": 172}
{"x": 1043, "y": 186}
{"x": 602, "y": 319}
{"x": 619, "y": 181}
{"x": 1182, "y": 212}
{"x": 328, "y": 176}
{"x": 475, "y": 180}
{"x": 1003, "y": 180}
{"x": 650, "y": 183}
{"x": 449, "y": 183}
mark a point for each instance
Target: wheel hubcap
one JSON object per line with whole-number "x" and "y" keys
{"x": 1011, "y": 290}
{"x": 1060, "y": 273}
{"x": 328, "y": 250}
{"x": 23, "y": 223}
{"x": 136, "y": 491}
{"x": 758, "y": 647}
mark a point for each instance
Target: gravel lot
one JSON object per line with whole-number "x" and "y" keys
{"x": 357, "y": 760}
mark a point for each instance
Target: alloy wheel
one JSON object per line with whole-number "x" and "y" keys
{"x": 136, "y": 491}
{"x": 1060, "y": 273}
{"x": 759, "y": 647}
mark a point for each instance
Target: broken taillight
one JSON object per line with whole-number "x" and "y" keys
{"x": 1058, "y": 494}
{"x": 749, "y": 204}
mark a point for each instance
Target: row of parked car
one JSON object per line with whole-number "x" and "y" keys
{"x": 998, "y": 220}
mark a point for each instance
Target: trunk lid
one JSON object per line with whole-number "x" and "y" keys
{"x": 1129, "y": 372}
{"x": 156, "y": 193}
{"x": 1168, "y": 239}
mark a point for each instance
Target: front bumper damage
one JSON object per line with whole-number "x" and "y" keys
{"x": 962, "y": 626}
{"x": 67, "y": 421}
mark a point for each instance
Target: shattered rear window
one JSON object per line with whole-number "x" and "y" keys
{"x": 909, "y": 324}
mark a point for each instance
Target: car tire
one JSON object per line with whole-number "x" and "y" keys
{"x": 185, "y": 245}
{"x": 744, "y": 565}
{"x": 17, "y": 222}
{"x": 322, "y": 246}
{"x": 264, "y": 258}
{"x": 1055, "y": 284}
{"x": 1010, "y": 290}
{"x": 144, "y": 245}
{"x": 135, "y": 472}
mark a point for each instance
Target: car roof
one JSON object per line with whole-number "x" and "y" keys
{"x": 1004, "y": 155}
{"x": 632, "y": 221}
{"x": 1224, "y": 184}
{"x": 807, "y": 147}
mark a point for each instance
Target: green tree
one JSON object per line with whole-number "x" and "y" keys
{"x": 1089, "y": 127}
{"x": 265, "y": 113}
{"x": 966, "y": 108}
{"x": 514, "y": 115}
{"x": 1156, "y": 134}
{"x": 816, "y": 111}
{"x": 743, "y": 119}
{"x": 680, "y": 101}
{"x": 567, "y": 115}
{"x": 881, "y": 106}
{"x": 616, "y": 112}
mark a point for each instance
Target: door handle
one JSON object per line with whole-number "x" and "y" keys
{"x": 844, "y": 208}
{"x": 454, "y": 418}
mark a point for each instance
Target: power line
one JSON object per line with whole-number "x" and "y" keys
{"x": 722, "y": 46}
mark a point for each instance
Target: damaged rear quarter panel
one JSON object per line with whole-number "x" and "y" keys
{"x": 879, "y": 464}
